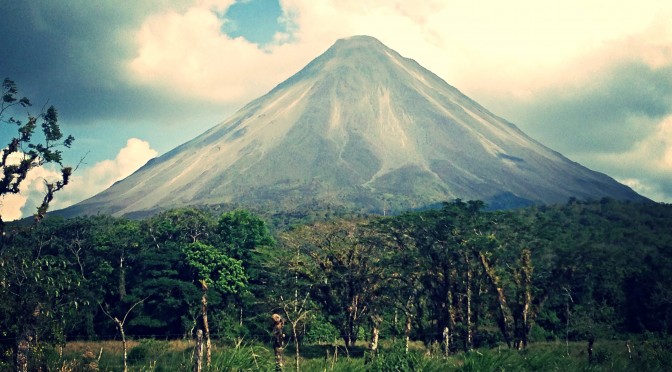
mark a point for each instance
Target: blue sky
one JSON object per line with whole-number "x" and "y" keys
{"x": 255, "y": 20}
{"x": 592, "y": 80}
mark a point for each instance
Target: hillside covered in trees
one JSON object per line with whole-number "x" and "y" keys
{"x": 459, "y": 276}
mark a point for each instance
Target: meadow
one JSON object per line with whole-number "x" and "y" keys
{"x": 642, "y": 354}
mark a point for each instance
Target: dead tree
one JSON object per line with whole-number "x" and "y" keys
{"x": 375, "y": 333}
{"x": 198, "y": 352}
{"x": 446, "y": 342}
{"x": 206, "y": 328}
{"x": 120, "y": 327}
{"x": 296, "y": 312}
{"x": 469, "y": 341}
{"x": 278, "y": 341}
{"x": 505, "y": 318}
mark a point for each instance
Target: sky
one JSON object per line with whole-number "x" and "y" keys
{"x": 133, "y": 79}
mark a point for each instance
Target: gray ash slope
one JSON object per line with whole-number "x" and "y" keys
{"x": 360, "y": 126}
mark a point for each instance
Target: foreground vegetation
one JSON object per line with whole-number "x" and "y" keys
{"x": 459, "y": 279}
{"x": 151, "y": 355}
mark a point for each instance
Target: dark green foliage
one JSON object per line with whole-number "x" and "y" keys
{"x": 41, "y": 295}
{"x": 320, "y": 331}
{"x": 596, "y": 269}
{"x": 394, "y": 359}
{"x": 241, "y": 232}
{"x": 215, "y": 268}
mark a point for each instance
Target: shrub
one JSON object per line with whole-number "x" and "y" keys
{"x": 147, "y": 350}
{"x": 394, "y": 359}
{"x": 319, "y": 331}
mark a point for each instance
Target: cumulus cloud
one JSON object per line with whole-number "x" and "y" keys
{"x": 609, "y": 112}
{"x": 86, "y": 181}
{"x": 13, "y": 205}
{"x": 188, "y": 53}
{"x": 646, "y": 166}
{"x": 513, "y": 46}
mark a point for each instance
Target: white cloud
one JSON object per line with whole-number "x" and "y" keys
{"x": 652, "y": 154}
{"x": 32, "y": 187}
{"x": 647, "y": 188}
{"x": 513, "y": 46}
{"x": 646, "y": 166}
{"x": 188, "y": 53}
{"x": 85, "y": 182}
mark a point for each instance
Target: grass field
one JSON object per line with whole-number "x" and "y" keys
{"x": 151, "y": 355}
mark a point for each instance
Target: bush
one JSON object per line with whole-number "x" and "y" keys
{"x": 488, "y": 339}
{"x": 394, "y": 359}
{"x": 147, "y": 350}
{"x": 320, "y": 331}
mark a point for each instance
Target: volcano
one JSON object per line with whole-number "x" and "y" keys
{"x": 361, "y": 127}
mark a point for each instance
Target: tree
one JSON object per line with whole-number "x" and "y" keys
{"x": 180, "y": 226}
{"x": 30, "y": 280}
{"x": 120, "y": 327}
{"x": 296, "y": 311}
{"x": 242, "y": 235}
{"x": 287, "y": 292}
{"x": 40, "y": 292}
{"x": 343, "y": 269}
{"x": 405, "y": 267}
{"x": 241, "y": 232}
{"x": 444, "y": 275}
{"x": 24, "y": 153}
{"x": 167, "y": 277}
{"x": 214, "y": 269}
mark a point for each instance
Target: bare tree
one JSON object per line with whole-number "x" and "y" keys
{"x": 296, "y": 312}
{"x": 278, "y": 340}
{"x": 120, "y": 327}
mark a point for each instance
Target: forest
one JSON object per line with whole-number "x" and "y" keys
{"x": 454, "y": 279}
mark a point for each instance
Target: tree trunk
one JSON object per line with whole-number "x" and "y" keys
{"x": 198, "y": 352}
{"x": 505, "y": 318}
{"x": 446, "y": 342}
{"x": 297, "y": 355}
{"x": 206, "y": 328}
{"x": 22, "y": 351}
{"x": 591, "y": 341}
{"x": 373, "y": 345}
{"x": 452, "y": 313}
{"x": 120, "y": 325}
{"x": 407, "y": 331}
{"x": 351, "y": 332}
{"x": 122, "y": 279}
{"x": 469, "y": 341}
{"x": 395, "y": 321}
{"x": 375, "y": 332}
{"x": 527, "y": 315}
{"x": 279, "y": 341}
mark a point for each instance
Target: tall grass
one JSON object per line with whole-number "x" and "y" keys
{"x": 152, "y": 355}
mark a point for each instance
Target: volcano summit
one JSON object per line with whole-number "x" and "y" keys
{"x": 362, "y": 127}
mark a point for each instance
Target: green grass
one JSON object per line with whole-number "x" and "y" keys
{"x": 152, "y": 355}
